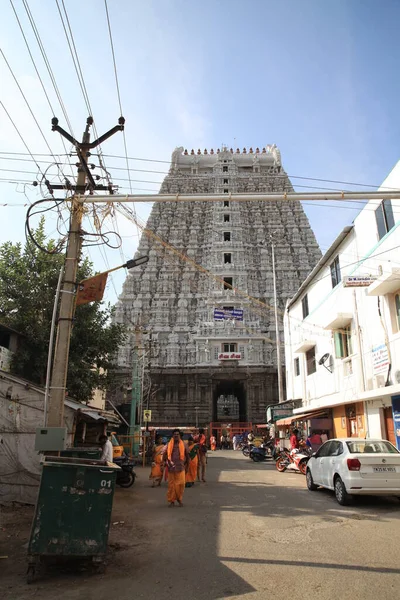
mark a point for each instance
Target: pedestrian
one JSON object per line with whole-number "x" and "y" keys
{"x": 176, "y": 457}
{"x": 157, "y": 465}
{"x": 107, "y": 454}
{"x": 235, "y": 442}
{"x": 201, "y": 470}
{"x": 213, "y": 443}
{"x": 294, "y": 444}
{"x": 228, "y": 441}
{"x": 324, "y": 437}
{"x": 222, "y": 440}
{"x": 191, "y": 474}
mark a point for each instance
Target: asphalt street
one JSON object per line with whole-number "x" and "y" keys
{"x": 248, "y": 533}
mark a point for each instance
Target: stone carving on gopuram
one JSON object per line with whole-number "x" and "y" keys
{"x": 209, "y": 348}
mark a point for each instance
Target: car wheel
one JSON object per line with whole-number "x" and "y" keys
{"x": 310, "y": 482}
{"x": 340, "y": 492}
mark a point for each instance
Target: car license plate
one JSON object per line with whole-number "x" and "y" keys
{"x": 384, "y": 469}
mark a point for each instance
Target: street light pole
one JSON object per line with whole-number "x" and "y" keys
{"x": 278, "y": 340}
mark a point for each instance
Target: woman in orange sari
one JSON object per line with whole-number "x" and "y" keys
{"x": 193, "y": 464}
{"x": 213, "y": 442}
{"x": 157, "y": 462}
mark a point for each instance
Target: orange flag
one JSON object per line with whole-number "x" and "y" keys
{"x": 92, "y": 289}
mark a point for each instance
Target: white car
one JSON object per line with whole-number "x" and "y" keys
{"x": 353, "y": 466}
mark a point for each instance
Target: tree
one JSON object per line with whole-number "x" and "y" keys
{"x": 28, "y": 281}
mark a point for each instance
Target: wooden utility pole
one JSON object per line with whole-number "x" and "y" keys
{"x": 85, "y": 182}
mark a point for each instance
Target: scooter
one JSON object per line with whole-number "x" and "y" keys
{"x": 126, "y": 476}
{"x": 247, "y": 449}
{"x": 262, "y": 452}
{"x": 292, "y": 461}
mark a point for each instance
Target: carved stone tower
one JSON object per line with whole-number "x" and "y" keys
{"x": 207, "y": 309}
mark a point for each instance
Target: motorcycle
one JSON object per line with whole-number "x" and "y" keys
{"x": 262, "y": 452}
{"x": 247, "y": 449}
{"x": 126, "y": 476}
{"x": 292, "y": 461}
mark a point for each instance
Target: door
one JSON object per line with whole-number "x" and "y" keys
{"x": 389, "y": 425}
{"x": 318, "y": 463}
{"x": 330, "y": 463}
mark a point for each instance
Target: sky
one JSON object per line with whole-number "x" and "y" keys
{"x": 319, "y": 78}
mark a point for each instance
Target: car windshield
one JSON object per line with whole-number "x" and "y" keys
{"x": 371, "y": 446}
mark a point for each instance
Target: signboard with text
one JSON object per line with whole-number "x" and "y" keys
{"x": 228, "y": 313}
{"x": 380, "y": 359}
{"x": 229, "y": 356}
{"x": 358, "y": 280}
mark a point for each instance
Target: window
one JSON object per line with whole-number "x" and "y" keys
{"x": 310, "y": 360}
{"x": 296, "y": 367}
{"x": 227, "y": 218}
{"x": 384, "y": 218}
{"x": 226, "y": 191}
{"x": 343, "y": 345}
{"x": 304, "y": 305}
{"x": 227, "y": 236}
{"x": 226, "y": 181}
{"x": 229, "y": 347}
{"x": 335, "y": 272}
{"x": 397, "y": 310}
{"x": 226, "y": 203}
{"x": 335, "y": 448}
{"x": 224, "y": 169}
{"x": 228, "y": 283}
{"x": 216, "y": 352}
{"x": 227, "y": 258}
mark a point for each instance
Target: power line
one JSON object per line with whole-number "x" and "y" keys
{"x": 28, "y": 105}
{"x": 47, "y": 63}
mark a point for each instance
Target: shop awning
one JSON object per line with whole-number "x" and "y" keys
{"x": 302, "y": 417}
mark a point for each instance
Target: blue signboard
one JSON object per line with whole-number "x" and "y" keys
{"x": 228, "y": 313}
{"x": 396, "y": 419}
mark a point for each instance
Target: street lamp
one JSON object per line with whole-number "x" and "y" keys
{"x": 278, "y": 340}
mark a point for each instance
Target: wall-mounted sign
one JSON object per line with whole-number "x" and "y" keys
{"x": 229, "y": 356}
{"x": 380, "y": 359}
{"x": 228, "y": 313}
{"x": 358, "y": 280}
{"x": 147, "y": 416}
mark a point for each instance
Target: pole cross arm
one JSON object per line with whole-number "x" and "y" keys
{"x": 106, "y": 135}
{"x": 56, "y": 127}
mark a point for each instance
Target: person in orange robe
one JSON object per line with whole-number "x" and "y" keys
{"x": 191, "y": 474}
{"x": 157, "y": 465}
{"x": 176, "y": 457}
{"x": 213, "y": 443}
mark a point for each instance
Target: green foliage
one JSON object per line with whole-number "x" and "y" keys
{"x": 28, "y": 282}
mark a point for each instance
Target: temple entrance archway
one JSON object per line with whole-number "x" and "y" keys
{"x": 229, "y": 401}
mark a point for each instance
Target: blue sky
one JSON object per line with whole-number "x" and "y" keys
{"x": 318, "y": 78}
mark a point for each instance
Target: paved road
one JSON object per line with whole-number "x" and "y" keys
{"x": 248, "y": 533}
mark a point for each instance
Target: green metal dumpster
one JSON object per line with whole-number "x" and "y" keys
{"x": 82, "y": 452}
{"x": 73, "y": 511}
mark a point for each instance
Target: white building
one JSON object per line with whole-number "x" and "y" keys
{"x": 342, "y": 327}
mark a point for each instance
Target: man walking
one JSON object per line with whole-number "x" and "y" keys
{"x": 107, "y": 453}
{"x": 176, "y": 456}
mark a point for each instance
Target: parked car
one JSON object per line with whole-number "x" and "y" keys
{"x": 353, "y": 466}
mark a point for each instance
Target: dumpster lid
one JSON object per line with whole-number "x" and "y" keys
{"x": 73, "y": 461}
